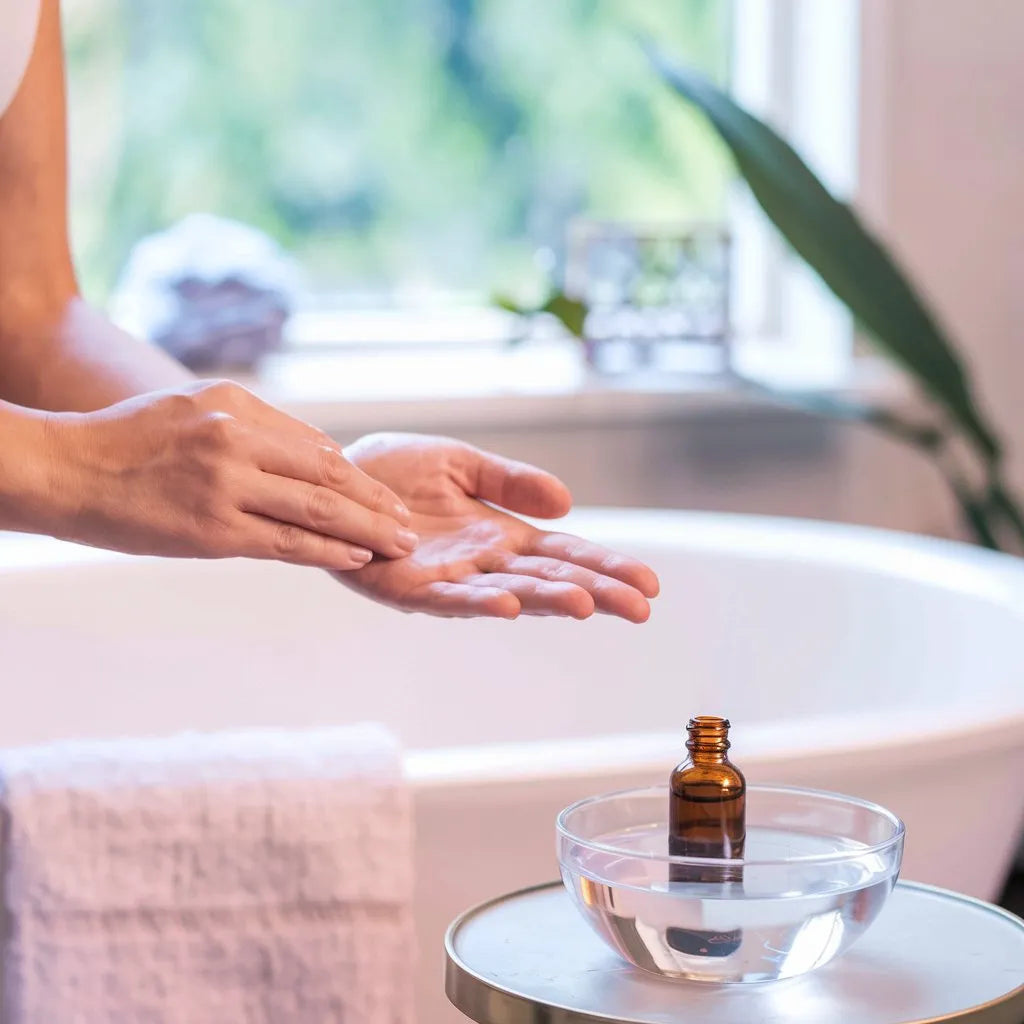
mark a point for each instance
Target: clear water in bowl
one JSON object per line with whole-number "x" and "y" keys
{"x": 787, "y": 916}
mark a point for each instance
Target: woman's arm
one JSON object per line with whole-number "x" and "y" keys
{"x": 55, "y": 351}
{"x": 93, "y": 445}
{"x": 210, "y": 470}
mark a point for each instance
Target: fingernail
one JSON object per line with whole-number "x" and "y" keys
{"x": 361, "y": 555}
{"x": 402, "y": 513}
{"x": 407, "y": 539}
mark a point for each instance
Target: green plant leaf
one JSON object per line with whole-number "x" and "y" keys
{"x": 510, "y": 305}
{"x": 1005, "y": 506}
{"x": 830, "y": 237}
{"x": 570, "y": 312}
{"x": 922, "y": 435}
{"x": 976, "y": 516}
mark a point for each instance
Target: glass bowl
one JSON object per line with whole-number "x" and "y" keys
{"x": 816, "y": 870}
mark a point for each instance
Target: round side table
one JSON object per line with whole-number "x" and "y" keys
{"x": 932, "y": 955}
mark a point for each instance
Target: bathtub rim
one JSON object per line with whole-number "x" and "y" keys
{"x": 647, "y": 753}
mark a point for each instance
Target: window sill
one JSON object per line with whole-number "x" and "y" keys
{"x": 536, "y": 385}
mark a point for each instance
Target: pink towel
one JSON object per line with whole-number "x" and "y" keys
{"x": 258, "y": 877}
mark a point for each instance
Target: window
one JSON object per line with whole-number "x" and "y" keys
{"x": 425, "y": 150}
{"x": 396, "y": 146}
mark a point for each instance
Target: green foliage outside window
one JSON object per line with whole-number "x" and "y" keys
{"x": 391, "y": 144}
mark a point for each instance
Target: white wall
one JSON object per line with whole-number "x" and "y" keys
{"x": 942, "y": 175}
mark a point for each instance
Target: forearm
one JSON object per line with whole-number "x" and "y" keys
{"x": 72, "y": 358}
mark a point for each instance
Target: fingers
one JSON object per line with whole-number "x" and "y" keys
{"x": 284, "y": 542}
{"x": 608, "y": 595}
{"x": 324, "y": 466}
{"x": 288, "y": 447}
{"x": 459, "y": 600}
{"x": 538, "y": 596}
{"x": 592, "y": 556}
{"x": 517, "y": 486}
{"x": 321, "y": 510}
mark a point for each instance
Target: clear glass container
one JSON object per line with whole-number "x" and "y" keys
{"x": 816, "y": 870}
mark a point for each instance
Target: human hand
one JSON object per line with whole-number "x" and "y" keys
{"x": 211, "y": 471}
{"x": 474, "y": 560}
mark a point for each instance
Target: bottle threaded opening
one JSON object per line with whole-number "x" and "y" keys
{"x": 708, "y": 732}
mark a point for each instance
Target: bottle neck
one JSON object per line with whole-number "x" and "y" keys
{"x": 708, "y": 739}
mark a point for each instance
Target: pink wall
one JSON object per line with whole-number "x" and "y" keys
{"x": 942, "y": 126}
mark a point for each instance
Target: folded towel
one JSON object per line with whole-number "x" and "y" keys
{"x": 258, "y": 877}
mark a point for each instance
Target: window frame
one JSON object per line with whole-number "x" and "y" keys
{"x": 805, "y": 83}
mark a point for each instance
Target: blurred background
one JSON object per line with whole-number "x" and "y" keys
{"x": 404, "y": 146}
{"x": 407, "y": 160}
{"x": 493, "y": 219}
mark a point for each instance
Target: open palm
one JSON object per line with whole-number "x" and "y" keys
{"x": 475, "y": 560}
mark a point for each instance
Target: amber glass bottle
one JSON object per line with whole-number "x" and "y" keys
{"x": 706, "y": 819}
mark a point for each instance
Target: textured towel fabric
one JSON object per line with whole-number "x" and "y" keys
{"x": 259, "y": 877}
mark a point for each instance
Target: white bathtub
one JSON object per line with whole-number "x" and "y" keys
{"x": 877, "y": 664}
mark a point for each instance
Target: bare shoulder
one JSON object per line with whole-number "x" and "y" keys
{"x": 19, "y": 20}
